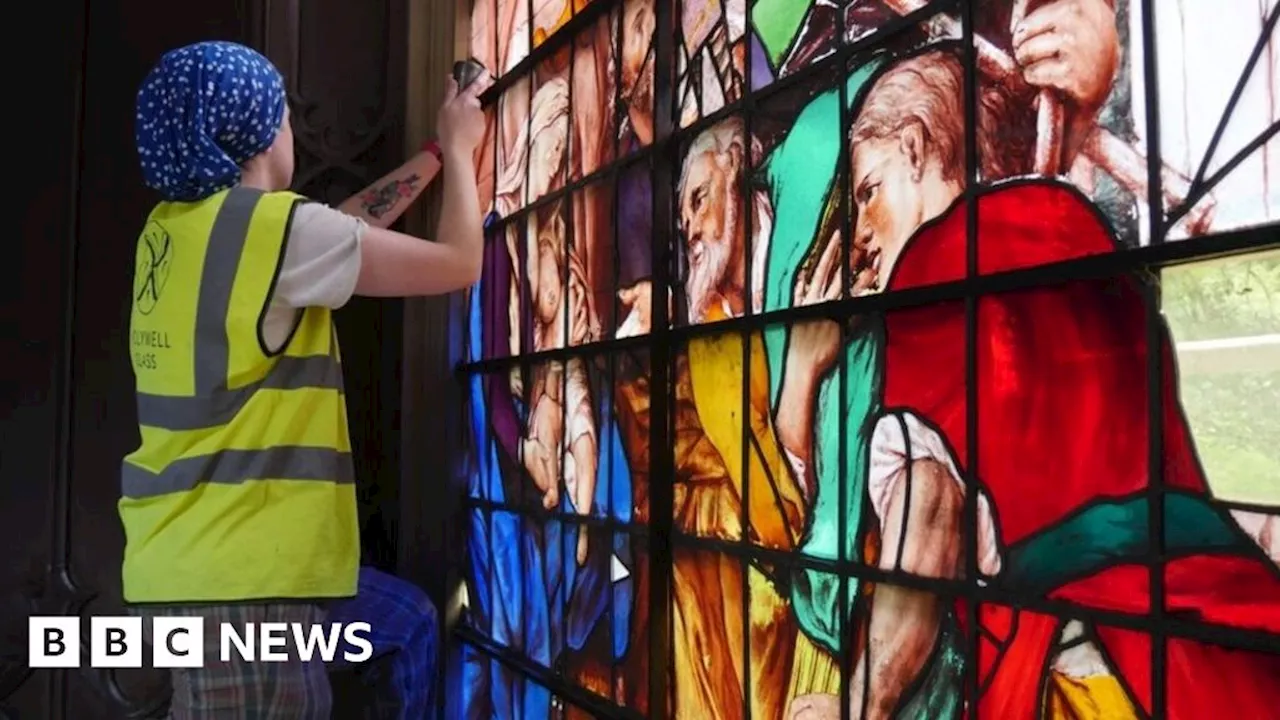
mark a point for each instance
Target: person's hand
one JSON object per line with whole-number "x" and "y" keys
{"x": 541, "y": 463}
{"x": 636, "y": 301}
{"x": 460, "y": 121}
{"x": 1070, "y": 46}
{"x": 823, "y": 284}
{"x": 815, "y": 343}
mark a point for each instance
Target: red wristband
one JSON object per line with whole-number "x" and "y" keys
{"x": 433, "y": 147}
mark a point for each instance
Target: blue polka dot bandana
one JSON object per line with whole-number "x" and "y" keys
{"x": 202, "y": 112}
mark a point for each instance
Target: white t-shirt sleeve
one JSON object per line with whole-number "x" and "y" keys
{"x": 901, "y": 438}
{"x": 322, "y": 259}
{"x": 320, "y": 267}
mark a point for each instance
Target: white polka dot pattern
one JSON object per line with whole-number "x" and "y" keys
{"x": 202, "y": 112}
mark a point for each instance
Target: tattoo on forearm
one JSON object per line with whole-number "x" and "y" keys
{"x": 379, "y": 201}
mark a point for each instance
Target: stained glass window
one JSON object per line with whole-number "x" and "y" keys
{"x": 875, "y": 358}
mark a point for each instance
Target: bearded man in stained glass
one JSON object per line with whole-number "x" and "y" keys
{"x": 709, "y": 606}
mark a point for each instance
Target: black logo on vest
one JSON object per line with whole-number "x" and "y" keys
{"x": 155, "y": 258}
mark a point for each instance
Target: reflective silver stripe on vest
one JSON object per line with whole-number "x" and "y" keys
{"x": 213, "y": 403}
{"x": 234, "y": 467}
{"x": 221, "y": 265}
{"x": 220, "y": 408}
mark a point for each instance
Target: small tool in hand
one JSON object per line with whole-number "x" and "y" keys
{"x": 466, "y": 72}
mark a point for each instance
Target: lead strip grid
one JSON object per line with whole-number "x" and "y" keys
{"x": 661, "y": 156}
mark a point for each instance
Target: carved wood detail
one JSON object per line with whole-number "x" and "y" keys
{"x": 344, "y": 67}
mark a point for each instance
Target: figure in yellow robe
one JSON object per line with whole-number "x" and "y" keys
{"x": 709, "y": 607}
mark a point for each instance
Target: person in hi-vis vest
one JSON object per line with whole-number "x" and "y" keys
{"x": 239, "y": 504}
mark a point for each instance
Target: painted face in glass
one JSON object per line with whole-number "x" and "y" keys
{"x": 710, "y": 210}
{"x": 897, "y": 186}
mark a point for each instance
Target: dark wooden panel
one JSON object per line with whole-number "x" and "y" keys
{"x": 345, "y": 67}
{"x": 68, "y": 406}
{"x": 32, "y": 281}
{"x": 68, "y": 401}
{"x": 73, "y": 396}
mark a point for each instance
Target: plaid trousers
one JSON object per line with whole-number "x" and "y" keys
{"x": 239, "y": 690}
{"x": 404, "y": 633}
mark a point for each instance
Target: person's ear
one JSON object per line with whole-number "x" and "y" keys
{"x": 912, "y": 141}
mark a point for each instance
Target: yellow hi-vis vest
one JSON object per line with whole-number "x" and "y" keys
{"x": 243, "y": 486}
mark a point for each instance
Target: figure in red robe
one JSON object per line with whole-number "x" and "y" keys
{"x": 1063, "y": 431}
{"x": 1061, "y": 479}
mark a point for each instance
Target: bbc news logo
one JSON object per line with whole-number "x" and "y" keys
{"x": 179, "y": 642}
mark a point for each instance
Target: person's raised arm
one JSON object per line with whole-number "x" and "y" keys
{"x": 394, "y": 264}
{"x": 383, "y": 202}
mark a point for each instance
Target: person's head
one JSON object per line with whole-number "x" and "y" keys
{"x": 907, "y": 148}
{"x": 711, "y": 214}
{"x": 210, "y": 116}
{"x": 272, "y": 169}
{"x": 638, "y": 23}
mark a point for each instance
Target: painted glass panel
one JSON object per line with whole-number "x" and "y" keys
{"x": 635, "y": 75}
{"x": 1219, "y": 89}
{"x": 500, "y": 34}
{"x": 711, "y": 56}
{"x": 952, "y": 429}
